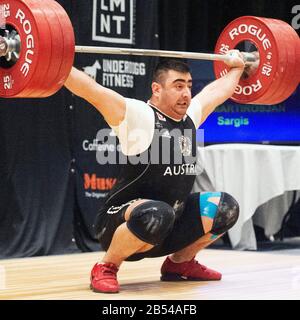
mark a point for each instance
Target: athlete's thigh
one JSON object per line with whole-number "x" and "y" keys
{"x": 186, "y": 230}
{"x": 109, "y": 219}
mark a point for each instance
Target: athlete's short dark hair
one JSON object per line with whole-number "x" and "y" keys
{"x": 169, "y": 64}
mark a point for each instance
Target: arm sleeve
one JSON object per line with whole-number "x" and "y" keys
{"x": 194, "y": 111}
{"x": 136, "y": 131}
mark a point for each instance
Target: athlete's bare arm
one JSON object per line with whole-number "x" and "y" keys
{"x": 108, "y": 102}
{"x": 221, "y": 89}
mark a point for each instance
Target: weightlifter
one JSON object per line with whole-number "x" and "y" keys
{"x": 150, "y": 212}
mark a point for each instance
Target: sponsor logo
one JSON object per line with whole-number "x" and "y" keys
{"x": 91, "y": 181}
{"x": 262, "y": 39}
{"x": 166, "y": 134}
{"x": 178, "y": 205}
{"x": 161, "y": 117}
{"x": 116, "y": 73}
{"x": 185, "y": 144}
{"x": 29, "y": 41}
{"x": 99, "y": 146}
{"x": 121, "y": 73}
{"x": 249, "y": 90}
{"x": 158, "y": 125}
{"x": 253, "y": 30}
{"x": 92, "y": 70}
{"x": 113, "y": 21}
{"x": 114, "y": 210}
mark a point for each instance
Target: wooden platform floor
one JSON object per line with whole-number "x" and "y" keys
{"x": 246, "y": 275}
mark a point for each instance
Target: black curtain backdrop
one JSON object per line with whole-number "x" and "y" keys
{"x": 51, "y": 185}
{"x": 195, "y": 25}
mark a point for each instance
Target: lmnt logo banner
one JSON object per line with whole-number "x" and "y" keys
{"x": 113, "y": 21}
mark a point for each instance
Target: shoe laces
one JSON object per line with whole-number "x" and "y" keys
{"x": 195, "y": 262}
{"x": 109, "y": 269}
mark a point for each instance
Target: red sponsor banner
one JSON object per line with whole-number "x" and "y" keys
{"x": 91, "y": 181}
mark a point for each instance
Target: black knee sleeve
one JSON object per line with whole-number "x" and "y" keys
{"x": 151, "y": 221}
{"x": 227, "y": 214}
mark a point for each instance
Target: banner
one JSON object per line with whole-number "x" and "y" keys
{"x": 36, "y": 193}
{"x": 113, "y": 21}
{"x": 110, "y": 23}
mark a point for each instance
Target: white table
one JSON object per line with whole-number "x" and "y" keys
{"x": 253, "y": 174}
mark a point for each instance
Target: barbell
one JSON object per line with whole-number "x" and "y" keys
{"x": 37, "y": 50}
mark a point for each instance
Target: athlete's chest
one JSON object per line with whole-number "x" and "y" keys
{"x": 173, "y": 138}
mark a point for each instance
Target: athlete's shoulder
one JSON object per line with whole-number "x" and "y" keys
{"x": 194, "y": 112}
{"x": 136, "y": 131}
{"x": 136, "y": 103}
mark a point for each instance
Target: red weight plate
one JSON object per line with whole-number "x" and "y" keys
{"x": 297, "y": 54}
{"x": 49, "y": 86}
{"x": 289, "y": 79}
{"x": 41, "y": 75}
{"x": 68, "y": 40}
{"x": 297, "y": 51}
{"x": 269, "y": 70}
{"x": 292, "y": 45}
{"x": 28, "y": 71}
{"x": 283, "y": 63}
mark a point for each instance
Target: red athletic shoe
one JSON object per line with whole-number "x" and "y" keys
{"x": 187, "y": 271}
{"x": 104, "y": 278}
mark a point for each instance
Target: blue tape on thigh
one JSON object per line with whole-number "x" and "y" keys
{"x": 208, "y": 209}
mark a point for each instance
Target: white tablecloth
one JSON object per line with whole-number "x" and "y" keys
{"x": 253, "y": 174}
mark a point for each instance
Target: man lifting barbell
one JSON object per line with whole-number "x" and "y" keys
{"x": 150, "y": 211}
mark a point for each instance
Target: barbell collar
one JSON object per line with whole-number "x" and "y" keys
{"x": 4, "y": 47}
{"x": 9, "y": 45}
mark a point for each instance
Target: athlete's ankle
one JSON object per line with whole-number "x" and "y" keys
{"x": 179, "y": 258}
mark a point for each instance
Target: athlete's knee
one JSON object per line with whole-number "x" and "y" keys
{"x": 226, "y": 215}
{"x": 151, "y": 221}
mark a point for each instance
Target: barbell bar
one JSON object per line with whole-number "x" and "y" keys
{"x": 38, "y": 44}
{"x": 9, "y": 46}
{"x": 248, "y": 57}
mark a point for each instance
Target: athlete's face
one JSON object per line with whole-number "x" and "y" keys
{"x": 174, "y": 93}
